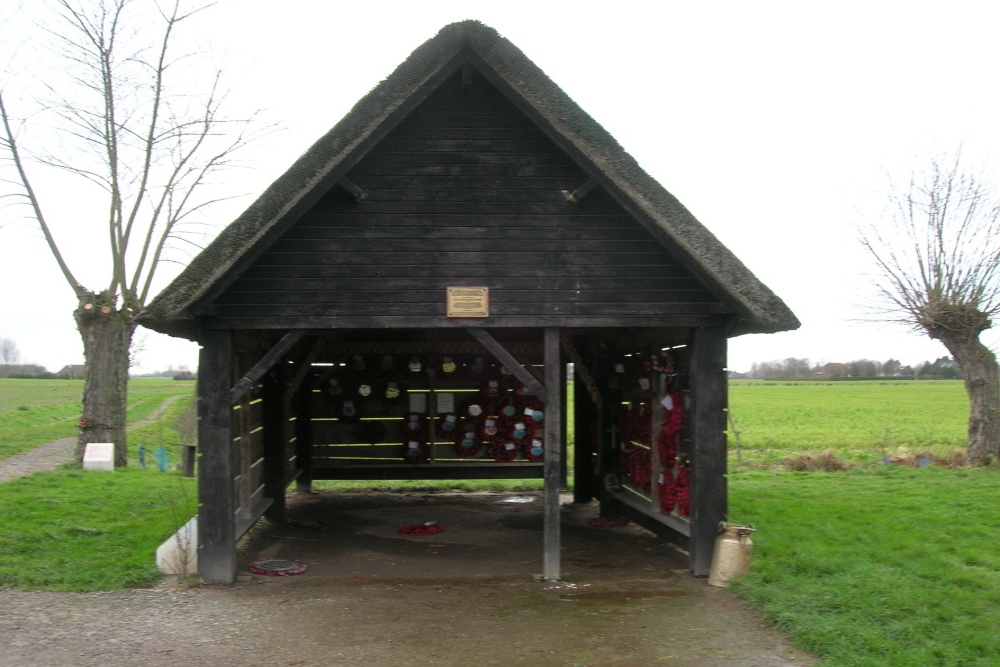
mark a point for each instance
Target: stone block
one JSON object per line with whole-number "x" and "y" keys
{"x": 179, "y": 554}
{"x": 99, "y": 456}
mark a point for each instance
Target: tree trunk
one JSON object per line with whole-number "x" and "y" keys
{"x": 107, "y": 336}
{"x": 979, "y": 366}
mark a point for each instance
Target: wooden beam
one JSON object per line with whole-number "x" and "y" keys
{"x": 304, "y": 367}
{"x": 582, "y": 191}
{"x": 586, "y": 422}
{"x": 352, "y": 188}
{"x": 216, "y": 493}
{"x": 508, "y": 360}
{"x": 304, "y": 442}
{"x": 580, "y": 370}
{"x": 709, "y": 399}
{"x": 272, "y": 357}
{"x": 553, "y": 457}
{"x": 274, "y": 418}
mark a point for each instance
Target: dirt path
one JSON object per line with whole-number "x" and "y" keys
{"x": 372, "y": 597}
{"x": 53, "y": 454}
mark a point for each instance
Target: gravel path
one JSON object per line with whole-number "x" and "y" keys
{"x": 53, "y": 454}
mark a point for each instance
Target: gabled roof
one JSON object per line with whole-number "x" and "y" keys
{"x": 329, "y": 158}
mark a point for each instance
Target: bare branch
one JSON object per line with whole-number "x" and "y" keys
{"x": 10, "y": 144}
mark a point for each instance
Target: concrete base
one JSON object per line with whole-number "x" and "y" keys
{"x": 179, "y": 554}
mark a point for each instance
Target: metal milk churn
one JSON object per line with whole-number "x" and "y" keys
{"x": 731, "y": 557}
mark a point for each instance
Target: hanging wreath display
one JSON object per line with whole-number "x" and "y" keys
{"x": 415, "y": 450}
{"x": 448, "y": 365}
{"x": 474, "y": 408}
{"x": 637, "y": 466}
{"x": 468, "y": 444}
{"x": 415, "y": 424}
{"x": 534, "y": 449}
{"x": 683, "y": 488}
{"x": 349, "y": 411}
{"x": 667, "y": 491}
{"x": 503, "y": 449}
{"x": 393, "y": 393}
{"x": 447, "y": 425}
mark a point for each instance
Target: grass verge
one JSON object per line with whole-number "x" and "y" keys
{"x": 74, "y": 531}
{"x": 893, "y": 566}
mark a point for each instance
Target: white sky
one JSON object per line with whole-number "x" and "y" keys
{"x": 773, "y": 122}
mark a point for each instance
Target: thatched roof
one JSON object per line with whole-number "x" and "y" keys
{"x": 761, "y": 310}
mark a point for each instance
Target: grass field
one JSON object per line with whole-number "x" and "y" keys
{"x": 860, "y": 421}
{"x": 33, "y": 412}
{"x": 883, "y": 567}
{"x": 70, "y": 530}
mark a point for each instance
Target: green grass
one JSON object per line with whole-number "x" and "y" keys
{"x": 860, "y": 421}
{"x": 33, "y": 412}
{"x": 74, "y": 531}
{"x": 892, "y": 566}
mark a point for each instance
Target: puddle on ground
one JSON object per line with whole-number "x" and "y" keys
{"x": 620, "y": 596}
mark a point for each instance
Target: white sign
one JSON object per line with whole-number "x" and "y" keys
{"x": 99, "y": 456}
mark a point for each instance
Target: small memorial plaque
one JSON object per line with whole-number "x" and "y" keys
{"x": 99, "y": 456}
{"x": 468, "y": 302}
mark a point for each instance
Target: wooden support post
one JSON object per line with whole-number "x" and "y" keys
{"x": 216, "y": 493}
{"x": 709, "y": 400}
{"x": 553, "y": 457}
{"x": 274, "y": 419}
{"x": 304, "y": 439}
{"x": 188, "y": 453}
{"x": 583, "y": 452}
{"x": 564, "y": 403}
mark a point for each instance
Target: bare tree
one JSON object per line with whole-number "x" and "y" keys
{"x": 148, "y": 144}
{"x": 9, "y": 354}
{"x": 937, "y": 256}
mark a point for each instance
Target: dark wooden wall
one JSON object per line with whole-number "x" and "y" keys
{"x": 465, "y": 191}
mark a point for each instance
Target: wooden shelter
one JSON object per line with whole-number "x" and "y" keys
{"x": 404, "y": 301}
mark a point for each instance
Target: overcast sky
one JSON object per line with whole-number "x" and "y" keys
{"x": 775, "y": 123}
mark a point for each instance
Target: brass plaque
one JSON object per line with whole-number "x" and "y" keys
{"x": 468, "y": 302}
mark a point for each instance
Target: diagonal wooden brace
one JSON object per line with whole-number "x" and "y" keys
{"x": 272, "y": 357}
{"x": 508, "y": 360}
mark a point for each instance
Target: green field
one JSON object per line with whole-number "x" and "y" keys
{"x": 890, "y": 566}
{"x": 860, "y": 421}
{"x": 33, "y": 412}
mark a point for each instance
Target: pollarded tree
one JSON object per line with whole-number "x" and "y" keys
{"x": 937, "y": 254}
{"x": 125, "y": 119}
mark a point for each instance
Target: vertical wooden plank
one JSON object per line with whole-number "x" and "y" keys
{"x": 709, "y": 399}
{"x": 656, "y": 421}
{"x": 564, "y": 411}
{"x": 274, "y": 419}
{"x": 553, "y": 456}
{"x": 304, "y": 438}
{"x": 583, "y": 416}
{"x": 216, "y": 495}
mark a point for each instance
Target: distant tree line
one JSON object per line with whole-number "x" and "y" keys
{"x": 943, "y": 368}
